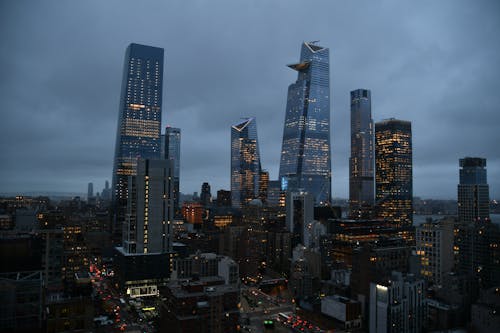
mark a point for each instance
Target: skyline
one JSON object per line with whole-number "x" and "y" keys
{"x": 434, "y": 71}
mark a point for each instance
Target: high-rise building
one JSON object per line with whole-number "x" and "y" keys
{"x": 305, "y": 153}
{"x": 473, "y": 191}
{"x": 223, "y": 198}
{"x": 434, "y": 244}
{"x": 299, "y": 213}
{"x": 245, "y": 162}
{"x": 263, "y": 186}
{"x": 394, "y": 176}
{"x": 90, "y": 191}
{"x": 145, "y": 260}
{"x": 361, "y": 163}
{"x": 148, "y": 227}
{"x": 205, "y": 194}
{"x": 139, "y": 121}
{"x": 172, "y": 151}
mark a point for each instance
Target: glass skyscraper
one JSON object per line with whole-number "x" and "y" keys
{"x": 172, "y": 151}
{"x": 473, "y": 191}
{"x": 361, "y": 163}
{"x": 305, "y": 154}
{"x": 139, "y": 122}
{"x": 394, "y": 171}
{"x": 245, "y": 162}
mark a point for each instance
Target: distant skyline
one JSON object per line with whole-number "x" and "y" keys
{"x": 432, "y": 63}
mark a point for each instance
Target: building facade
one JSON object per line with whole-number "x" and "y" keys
{"x": 397, "y": 306}
{"x": 305, "y": 153}
{"x": 362, "y": 160}
{"x": 473, "y": 191}
{"x": 148, "y": 227}
{"x": 434, "y": 245}
{"x": 394, "y": 171}
{"x": 245, "y": 163}
{"x": 139, "y": 121}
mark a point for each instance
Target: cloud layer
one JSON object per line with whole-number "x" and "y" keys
{"x": 433, "y": 63}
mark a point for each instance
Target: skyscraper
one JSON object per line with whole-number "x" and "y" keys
{"x": 361, "y": 163}
{"x": 473, "y": 191}
{"x": 139, "y": 121}
{"x": 394, "y": 176}
{"x": 305, "y": 153}
{"x": 173, "y": 152}
{"x": 245, "y": 162}
{"x": 90, "y": 190}
{"x": 148, "y": 227}
{"x": 205, "y": 195}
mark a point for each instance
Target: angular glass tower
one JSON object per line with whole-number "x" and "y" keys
{"x": 173, "y": 152}
{"x": 139, "y": 120}
{"x": 394, "y": 171}
{"x": 245, "y": 163}
{"x": 305, "y": 154}
{"x": 361, "y": 163}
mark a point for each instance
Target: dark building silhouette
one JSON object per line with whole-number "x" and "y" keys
{"x": 362, "y": 160}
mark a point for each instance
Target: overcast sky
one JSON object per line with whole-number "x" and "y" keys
{"x": 435, "y": 63}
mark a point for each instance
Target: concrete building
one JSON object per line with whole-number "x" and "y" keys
{"x": 434, "y": 245}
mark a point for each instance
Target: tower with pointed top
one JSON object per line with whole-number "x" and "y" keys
{"x": 305, "y": 154}
{"x": 245, "y": 162}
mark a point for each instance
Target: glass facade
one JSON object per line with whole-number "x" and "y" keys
{"x": 139, "y": 122}
{"x": 245, "y": 163}
{"x": 473, "y": 191}
{"x": 361, "y": 163}
{"x": 173, "y": 152}
{"x": 305, "y": 154}
{"x": 394, "y": 175}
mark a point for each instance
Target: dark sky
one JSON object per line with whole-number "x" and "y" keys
{"x": 435, "y": 63}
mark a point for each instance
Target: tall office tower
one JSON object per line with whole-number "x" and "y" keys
{"x": 106, "y": 191}
{"x": 139, "y": 121}
{"x": 263, "y": 185}
{"x": 305, "y": 153}
{"x": 90, "y": 190}
{"x": 205, "y": 195}
{"x": 361, "y": 163}
{"x": 172, "y": 151}
{"x": 245, "y": 162}
{"x": 299, "y": 213}
{"x": 434, "y": 245}
{"x": 473, "y": 191}
{"x": 394, "y": 178}
{"x": 148, "y": 227}
{"x": 397, "y": 306}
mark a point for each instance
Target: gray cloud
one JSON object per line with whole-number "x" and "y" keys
{"x": 434, "y": 63}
